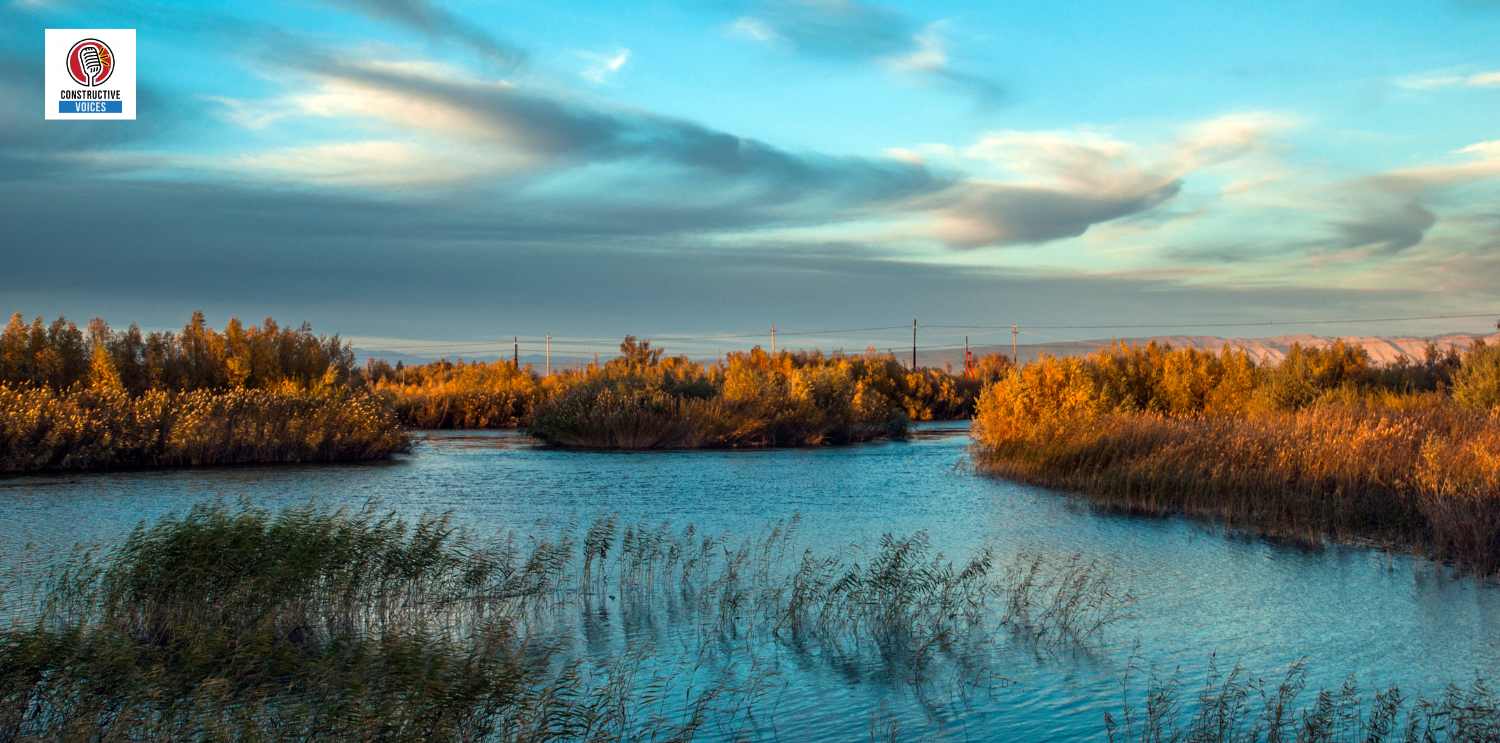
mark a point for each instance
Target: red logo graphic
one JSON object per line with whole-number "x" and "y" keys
{"x": 90, "y": 62}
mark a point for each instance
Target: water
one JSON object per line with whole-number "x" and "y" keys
{"x": 1390, "y": 620}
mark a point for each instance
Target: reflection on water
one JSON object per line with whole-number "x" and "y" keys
{"x": 1390, "y": 620}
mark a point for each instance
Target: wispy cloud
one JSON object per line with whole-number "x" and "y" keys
{"x": 754, "y": 29}
{"x": 1039, "y": 186}
{"x": 430, "y": 19}
{"x": 561, "y": 153}
{"x": 1439, "y": 80}
{"x": 929, "y": 59}
{"x": 361, "y": 164}
{"x": 854, "y": 31}
{"x": 1390, "y": 214}
{"x": 602, "y": 67}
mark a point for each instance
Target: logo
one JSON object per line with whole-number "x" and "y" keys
{"x": 89, "y": 74}
{"x": 90, "y": 62}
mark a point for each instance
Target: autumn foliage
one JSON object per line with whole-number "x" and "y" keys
{"x": 646, "y": 399}
{"x": 1324, "y": 444}
{"x": 110, "y": 400}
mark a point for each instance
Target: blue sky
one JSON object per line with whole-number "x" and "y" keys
{"x": 414, "y": 170}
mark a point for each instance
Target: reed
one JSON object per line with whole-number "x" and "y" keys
{"x": 447, "y": 395}
{"x": 317, "y": 624}
{"x": 755, "y": 399}
{"x": 645, "y": 399}
{"x": 237, "y": 623}
{"x": 1319, "y": 450}
{"x": 1235, "y": 707}
{"x": 95, "y": 428}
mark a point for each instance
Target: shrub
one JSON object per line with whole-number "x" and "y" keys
{"x": 1477, "y": 381}
{"x": 102, "y": 428}
{"x": 1315, "y": 447}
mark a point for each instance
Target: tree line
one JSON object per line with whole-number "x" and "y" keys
{"x": 60, "y": 355}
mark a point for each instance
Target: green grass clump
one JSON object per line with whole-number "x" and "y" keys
{"x": 237, "y": 623}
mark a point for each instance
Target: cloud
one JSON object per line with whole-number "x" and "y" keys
{"x": 427, "y": 18}
{"x": 1440, "y": 80}
{"x": 372, "y": 164}
{"x": 554, "y": 135}
{"x": 1390, "y": 211}
{"x": 929, "y": 55}
{"x": 32, "y": 148}
{"x": 1041, "y": 186}
{"x": 998, "y": 214}
{"x": 602, "y": 67}
{"x": 754, "y": 29}
{"x": 1483, "y": 162}
{"x": 1229, "y": 137}
{"x": 853, "y": 31}
{"x": 247, "y": 114}
{"x": 451, "y": 268}
{"x": 929, "y": 58}
{"x": 1387, "y": 228}
{"x": 834, "y": 29}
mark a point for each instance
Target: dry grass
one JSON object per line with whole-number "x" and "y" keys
{"x": 42, "y": 430}
{"x": 1415, "y": 472}
{"x": 1322, "y": 445}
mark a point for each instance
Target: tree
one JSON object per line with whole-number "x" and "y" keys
{"x": 638, "y": 353}
{"x": 102, "y": 373}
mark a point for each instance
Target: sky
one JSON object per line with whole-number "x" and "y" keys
{"x": 417, "y": 174}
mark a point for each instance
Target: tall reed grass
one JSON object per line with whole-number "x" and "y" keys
{"x": 645, "y": 399}
{"x": 1317, "y": 449}
{"x": 236, "y": 623}
{"x": 446, "y": 395}
{"x": 1235, "y": 707}
{"x": 93, "y": 428}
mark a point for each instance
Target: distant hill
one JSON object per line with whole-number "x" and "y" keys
{"x": 1383, "y": 350}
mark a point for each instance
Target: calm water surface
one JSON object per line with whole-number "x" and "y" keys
{"x": 1198, "y": 593}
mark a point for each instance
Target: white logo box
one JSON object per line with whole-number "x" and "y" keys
{"x": 66, "y": 99}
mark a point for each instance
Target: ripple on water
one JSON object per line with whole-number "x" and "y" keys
{"x": 1390, "y": 620}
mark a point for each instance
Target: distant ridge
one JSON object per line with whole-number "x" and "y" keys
{"x": 1382, "y": 349}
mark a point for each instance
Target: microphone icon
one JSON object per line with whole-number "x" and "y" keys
{"x": 88, "y": 59}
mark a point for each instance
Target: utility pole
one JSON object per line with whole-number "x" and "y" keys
{"x": 515, "y": 352}
{"x": 914, "y": 344}
{"x": 773, "y": 339}
{"x": 549, "y": 355}
{"x": 1014, "y": 331}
